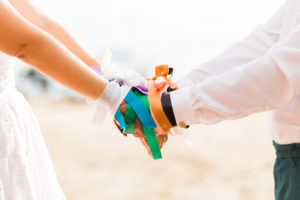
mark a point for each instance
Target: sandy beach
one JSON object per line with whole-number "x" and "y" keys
{"x": 229, "y": 161}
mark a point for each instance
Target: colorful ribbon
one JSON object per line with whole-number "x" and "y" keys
{"x": 157, "y": 109}
{"x": 138, "y": 106}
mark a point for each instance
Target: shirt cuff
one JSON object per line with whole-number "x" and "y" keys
{"x": 183, "y": 106}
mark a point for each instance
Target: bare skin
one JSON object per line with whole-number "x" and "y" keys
{"x": 38, "y": 41}
{"x": 32, "y": 14}
{"x": 22, "y": 39}
{"x": 162, "y": 137}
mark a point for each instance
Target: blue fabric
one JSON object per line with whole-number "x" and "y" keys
{"x": 140, "y": 109}
{"x": 119, "y": 117}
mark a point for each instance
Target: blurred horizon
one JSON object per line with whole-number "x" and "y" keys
{"x": 142, "y": 34}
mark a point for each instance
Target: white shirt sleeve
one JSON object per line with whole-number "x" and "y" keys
{"x": 266, "y": 83}
{"x": 248, "y": 49}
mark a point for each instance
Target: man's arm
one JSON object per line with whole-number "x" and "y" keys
{"x": 245, "y": 51}
{"x": 39, "y": 19}
{"x": 267, "y": 83}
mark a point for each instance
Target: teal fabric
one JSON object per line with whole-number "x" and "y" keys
{"x": 141, "y": 111}
{"x": 150, "y": 132}
{"x": 138, "y": 106}
{"x": 130, "y": 118}
{"x": 119, "y": 117}
{"x": 287, "y": 172}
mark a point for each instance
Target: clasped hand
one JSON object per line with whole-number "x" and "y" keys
{"x": 159, "y": 87}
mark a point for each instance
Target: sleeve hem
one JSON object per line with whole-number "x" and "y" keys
{"x": 183, "y": 106}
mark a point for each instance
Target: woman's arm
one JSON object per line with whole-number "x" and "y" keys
{"x": 27, "y": 10}
{"x": 20, "y": 38}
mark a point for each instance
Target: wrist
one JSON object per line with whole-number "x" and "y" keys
{"x": 182, "y": 105}
{"x": 113, "y": 95}
{"x": 93, "y": 62}
{"x": 168, "y": 109}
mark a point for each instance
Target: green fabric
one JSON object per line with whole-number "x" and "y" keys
{"x": 287, "y": 172}
{"x": 140, "y": 110}
{"x": 130, "y": 119}
{"x": 150, "y": 132}
{"x": 153, "y": 143}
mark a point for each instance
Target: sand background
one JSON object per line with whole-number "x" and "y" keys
{"x": 229, "y": 161}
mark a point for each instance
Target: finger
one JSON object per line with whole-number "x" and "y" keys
{"x": 146, "y": 145}
{"x": 175, "y": 131}
{"x": 162, "y": 140}
{"x": 138, "y": 133}
{"x": 139, "y": 130}
{"x": 182, "y": 124}
{"x": 160, "y": 83}
{"x": 123, "y": 107}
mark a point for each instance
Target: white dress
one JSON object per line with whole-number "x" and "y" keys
{"x": 26, "y": 170}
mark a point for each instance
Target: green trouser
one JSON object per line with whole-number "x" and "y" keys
{"x": 287, "y": 172}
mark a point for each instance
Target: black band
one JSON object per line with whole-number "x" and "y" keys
{"x": 168, "y": 109}
{"x": 170, "y": 71}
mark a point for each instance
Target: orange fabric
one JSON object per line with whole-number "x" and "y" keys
{"x": 163, "y": 71}
{"x": 154, "y": 97}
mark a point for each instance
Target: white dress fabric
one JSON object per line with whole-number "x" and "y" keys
{"x": 26, "y": 170}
